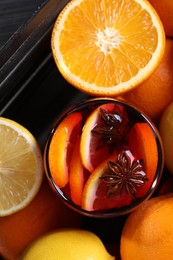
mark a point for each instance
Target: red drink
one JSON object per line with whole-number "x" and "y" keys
{"x": 103, "y": 158}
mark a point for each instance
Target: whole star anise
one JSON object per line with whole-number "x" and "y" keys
{"x": 124, "y": 175}
{"x": 114, "y": 126}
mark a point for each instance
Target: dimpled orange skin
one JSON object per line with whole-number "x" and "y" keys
{"x": 154, "y": 95}
{"x": 164, "y": 9}
{"x": 43, "y": 214}
{"x": 148, "y": 231}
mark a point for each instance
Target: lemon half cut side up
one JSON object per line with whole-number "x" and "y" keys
{"x": 21, "y": 167}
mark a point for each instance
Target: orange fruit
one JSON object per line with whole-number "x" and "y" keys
{"x": 154, "y": 95}
{"x": 92, "y": 153}
{"x": 43, "y": 214}
{"x": 21, "y": 167}
{"x": 148, "y": 231}
{"x": 164, "y": 9}
{"x": 107, "y": 51}
{"x": 61, "y": 147}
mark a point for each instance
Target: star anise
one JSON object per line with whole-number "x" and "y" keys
{"x": 114, "y": 126}
{"x": 124, "y": 175}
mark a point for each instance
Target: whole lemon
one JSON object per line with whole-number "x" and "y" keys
{"x": 73, "y": 244}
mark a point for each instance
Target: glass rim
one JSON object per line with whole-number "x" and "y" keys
{"x": 114, "y": 212}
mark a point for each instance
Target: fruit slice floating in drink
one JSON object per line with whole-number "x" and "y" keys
{"x": 115, "y": 183}
{"x": 76, "y": 175}
{"x": 123, "y": 178}
{"x": 103, "y": 128}
{"x": 61, "y": 148}
{"x": 142, "y": 142}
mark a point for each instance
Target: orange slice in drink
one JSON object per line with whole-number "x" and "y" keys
{"x": 123, "y": 179}
{"x": 106, "y": 48}
{"x": 76, "y": 175}
{"x": 61, "y": 148}
{"x": 92, "y": 149}
{"x": 143, "y": 142}
{"x": 94, "y": 194}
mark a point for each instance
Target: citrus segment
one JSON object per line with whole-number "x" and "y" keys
{"x": 21, "y": 168}
{"x": 92, "y": 149}
{"x": 107, "y": 47}
{"x": 61, "y": 148}
{"x": 143, "y": 142}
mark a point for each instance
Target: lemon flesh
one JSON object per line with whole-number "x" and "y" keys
{"x": 21, "y": 167}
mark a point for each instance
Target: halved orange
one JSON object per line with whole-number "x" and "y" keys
{"x": 106, "y": 48}
{"x": 91, "y": 151}
{"x": 61, "y": 147}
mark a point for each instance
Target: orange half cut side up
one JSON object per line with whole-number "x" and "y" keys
{"x": 106, "y": 48}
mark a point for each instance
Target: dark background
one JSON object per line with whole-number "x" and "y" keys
{"x": 32, "y": 91}
{"x": 13, "y": 14}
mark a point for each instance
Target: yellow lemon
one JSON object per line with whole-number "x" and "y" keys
{"x": 21, "y": 167}
{"x": 73, "y": 244}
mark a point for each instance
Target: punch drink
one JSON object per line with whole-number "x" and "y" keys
{"x": 103, "y": 157}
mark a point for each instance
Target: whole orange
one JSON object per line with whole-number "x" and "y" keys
{"x": 43, "y": 214}
{"x": 164, "y": 9}
{"x": 148, "y": 231}
{"x": 153, "y": 96}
